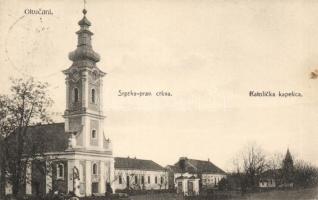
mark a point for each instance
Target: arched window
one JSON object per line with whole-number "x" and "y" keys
{"x": 94, "y": 135}
{"x": 156, "y": 180}
{"x": 75, "y": 95}
{"x": 94, "y": 168}
{"x": 60, "y": 171}
{"x": 93, "y": 95}
{"x": 161, "y": 180}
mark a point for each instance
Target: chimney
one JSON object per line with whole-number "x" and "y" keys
{"x": 183, "y": 158}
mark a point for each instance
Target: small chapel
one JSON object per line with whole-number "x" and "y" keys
{"x": 78, "y": 156}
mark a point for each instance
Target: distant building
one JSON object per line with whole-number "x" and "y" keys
{"x": 270, "y": 178}
{"x": 282, "y": 177}
{"x": 138, "y": 174}
{"x": 209, "y": 174}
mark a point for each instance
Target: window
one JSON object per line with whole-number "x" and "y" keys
{"x": 75, "y": 95}
{"x": 60, "y": 171}
{"x": 161, "y": 180}
{"x": 149, "y": 179}
{"x": 136, "y": 179}
{"x": 93, "y": 95}
{"x": 120, "y": 180}
{"x": 94, "y": 135}
{"x": 156, "y": 180}
{"x": 94, "y": 168}
{"x": 142, "y": 180}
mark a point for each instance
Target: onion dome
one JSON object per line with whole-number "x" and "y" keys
{"x": 84, "y": 50}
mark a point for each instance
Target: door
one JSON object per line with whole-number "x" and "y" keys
{"x": 190, "y": 188}
{"x": 94, "y": 188}
{"x": 127, "y": 182}
{"x": 179, "y": 188}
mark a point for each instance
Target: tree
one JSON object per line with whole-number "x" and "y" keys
{"x": 288, "y": 168}
{"x": 251, "y": 162}
{"x": 275, "y": 161}
{"x": 26, "y": 105}
{"x": 305, "y": 174}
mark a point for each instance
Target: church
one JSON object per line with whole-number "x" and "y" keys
{"x": 77, "y": 156}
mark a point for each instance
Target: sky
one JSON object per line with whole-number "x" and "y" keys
{"x": 208, "y": 54}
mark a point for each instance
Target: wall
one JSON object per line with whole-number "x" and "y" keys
{"x": 139, "y": 174}
{"x": 211, "y": 180}
{"x": 208, "y": 180}
{"x": 267, "y": 183}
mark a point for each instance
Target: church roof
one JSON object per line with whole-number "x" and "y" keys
{"x": 48, "y": 137}
{"x": 196, "y": 166}
{"x": 137, "y": 164}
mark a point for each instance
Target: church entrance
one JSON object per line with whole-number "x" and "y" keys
{"x": 95, "y": 187}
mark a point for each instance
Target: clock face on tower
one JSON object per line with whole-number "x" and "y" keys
{"x": 75, "y": 76}
{"x": 94, "y": 78}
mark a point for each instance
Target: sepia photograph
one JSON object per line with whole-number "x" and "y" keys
{"x": 158, "y": 100}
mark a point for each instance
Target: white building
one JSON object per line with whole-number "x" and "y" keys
{"x": 138, "y": 174}
{"x": 270, "y": 178}
{"x": 187, "y": 184}
{"x": 208, "y": 173}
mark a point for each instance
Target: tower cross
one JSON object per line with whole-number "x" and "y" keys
{"x": 84, "y": 4}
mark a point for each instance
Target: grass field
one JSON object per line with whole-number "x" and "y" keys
{"x": 301, "y": 194}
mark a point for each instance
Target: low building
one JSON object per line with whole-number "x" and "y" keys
{"x": 270, "y": 179}
{"x": 188, "y": 185}
{"x": 138, "y": 174}
{"x": 282, "y": 177}
{"x": 208, "y": 173}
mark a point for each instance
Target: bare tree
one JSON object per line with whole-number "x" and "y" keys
{"x": 25, "y": 106}
{"x": 251, "y": 161}
{"x": 305, "y": 174}
{"x": 275, "y": 161}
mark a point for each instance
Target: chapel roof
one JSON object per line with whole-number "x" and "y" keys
{"x": 137, "y": 164}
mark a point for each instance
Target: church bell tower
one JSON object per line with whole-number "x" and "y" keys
{"x": 84, "y": 94}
